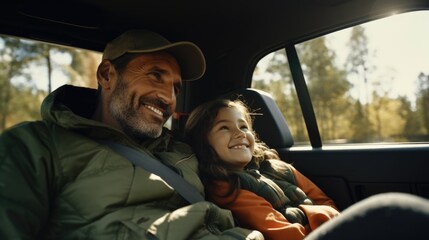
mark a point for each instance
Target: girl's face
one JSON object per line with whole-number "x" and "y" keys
{"x": 231, "y": 137}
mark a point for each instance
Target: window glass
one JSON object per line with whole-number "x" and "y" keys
{"x": 30, "y": 70}
{"x": 368, "y": 83}
{"x": 272, "y": 75}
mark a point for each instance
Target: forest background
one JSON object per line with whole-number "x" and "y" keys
{"x": 361, "y": 92}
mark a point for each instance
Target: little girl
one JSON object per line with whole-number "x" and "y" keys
{"x": 242, "y": 174}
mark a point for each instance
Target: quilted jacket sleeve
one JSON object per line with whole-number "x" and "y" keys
{"x": 24, "y": 175}
{"x": 324, "y": 208}
{"x": 254, "y": 212}
{"x": 312, "y": 190}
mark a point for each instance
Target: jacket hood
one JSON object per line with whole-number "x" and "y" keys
{"x": 70, "y": 106}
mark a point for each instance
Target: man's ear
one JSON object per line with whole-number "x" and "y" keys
{"x": 104, "y": 75}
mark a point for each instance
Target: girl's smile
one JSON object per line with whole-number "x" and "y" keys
{"x": 232, "y": 138}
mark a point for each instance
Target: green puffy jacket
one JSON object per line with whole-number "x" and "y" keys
{"x": 57, "y": 182}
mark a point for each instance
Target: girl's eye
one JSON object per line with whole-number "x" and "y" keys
{"x": 223, "y": 128}
{"x": 244, "y": 127}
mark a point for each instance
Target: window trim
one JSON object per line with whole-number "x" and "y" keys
{"x": 303, "y": 96}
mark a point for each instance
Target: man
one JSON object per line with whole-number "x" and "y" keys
{"x": 58, "y": 182}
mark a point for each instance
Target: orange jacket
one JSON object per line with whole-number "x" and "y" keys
{"x": 254, "y": 212}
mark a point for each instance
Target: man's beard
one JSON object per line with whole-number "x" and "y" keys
{"x": 123, "y": 111}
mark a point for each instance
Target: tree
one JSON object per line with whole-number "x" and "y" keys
{"x": 18, "y": 88}
{"x": 361, "y": 129}
{"x": 83, "y": 67}
{"x": 423, "y": 100}
{"x": 357, "y": 63}
{"x": 412, "y": 127}
{"x": 358, "y": 68}
{"x": 327, "y": 85}
{"x": 15, "y": 57}
{"x": 385, "y": 117}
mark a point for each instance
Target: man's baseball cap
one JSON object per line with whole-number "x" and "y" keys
{"x": 189, "y": 56}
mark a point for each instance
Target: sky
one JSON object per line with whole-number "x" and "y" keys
{"x": 400, "y": 44}
{"x": 39, "y": 73}
{"x": 400, "y": 48}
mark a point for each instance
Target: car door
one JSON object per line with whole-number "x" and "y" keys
{"x": 356, "y": 102}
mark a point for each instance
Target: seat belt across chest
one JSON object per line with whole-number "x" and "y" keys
{"x": 154, "y": 166}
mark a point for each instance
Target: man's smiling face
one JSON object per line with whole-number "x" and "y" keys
{"x": 144, "y": 96}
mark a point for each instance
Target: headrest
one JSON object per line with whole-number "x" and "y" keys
{"x": 269, "y": 122}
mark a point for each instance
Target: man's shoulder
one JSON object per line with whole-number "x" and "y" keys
{"x": 28, "y": 133}
{"x": 181, "y": 146}
{"x": 175, "y": 143}
{"x": 26, "y": 126}
{"x": 31, "y": 132}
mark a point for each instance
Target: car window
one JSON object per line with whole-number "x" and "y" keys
{"x": 272, "y": 75}
{"x": 31, "y": 69}
{"x": 368, "y": 83}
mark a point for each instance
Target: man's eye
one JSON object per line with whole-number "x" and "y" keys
{"x": 156, "y": 75}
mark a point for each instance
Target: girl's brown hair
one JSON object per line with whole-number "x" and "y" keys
{"x": 211, "y": 167}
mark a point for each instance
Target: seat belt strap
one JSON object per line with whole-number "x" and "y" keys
{"x": 154, "y": 166}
